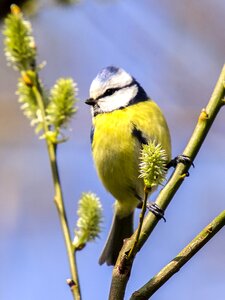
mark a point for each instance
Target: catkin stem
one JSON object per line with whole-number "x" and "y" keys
{"x": 59, "y": 201}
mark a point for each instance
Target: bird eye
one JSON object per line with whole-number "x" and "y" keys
{"x": 109, "y": 92}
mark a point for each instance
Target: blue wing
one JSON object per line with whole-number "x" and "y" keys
{"x": 138, "y": 134}
{"x": 92, "y": 134}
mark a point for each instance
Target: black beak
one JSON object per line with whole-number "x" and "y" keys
{"x": 90, "y": 101}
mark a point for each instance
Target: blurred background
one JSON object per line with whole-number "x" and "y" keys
{"x": 176, "y": 50}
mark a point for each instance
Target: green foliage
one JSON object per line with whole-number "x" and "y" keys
{"x": 61, "y": 106}
{"x": 153, "y": 164}
{"x": 20, "y": 49}
{"x": 89, "y": 221}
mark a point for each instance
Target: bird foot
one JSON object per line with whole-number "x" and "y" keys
{"x": 183, "y": 159}
{"x": 156, "y": 210}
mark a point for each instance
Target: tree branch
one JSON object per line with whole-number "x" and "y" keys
{"x": 122, "y": 269}
{"x": 184, "y": 256}
{"x": 132, "y": 251}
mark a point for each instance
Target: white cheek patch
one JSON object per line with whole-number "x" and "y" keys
{"x": 119, "y": 99}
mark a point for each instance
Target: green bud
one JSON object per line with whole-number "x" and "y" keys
{"x": 27, "y": 98}
{"x": 153, "y": 164}
{"x": 20, "y": 49}
{"x": 89, "y": 221}
{"x": 61, "y": 104}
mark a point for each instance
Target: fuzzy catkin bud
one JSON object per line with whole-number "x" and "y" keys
{"x": 61, "y": 106}
{"x": 89, "y": 221}
{"x": 19, "y": 42}
{"x": 153, "y": 164}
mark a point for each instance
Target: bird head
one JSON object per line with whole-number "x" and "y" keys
{"x": 112, "y": 89}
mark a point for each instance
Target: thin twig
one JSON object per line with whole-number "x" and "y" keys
{"x": 59, "y": 202}
{"x": 184, "y": 256}
{"x": 206, "y": 118}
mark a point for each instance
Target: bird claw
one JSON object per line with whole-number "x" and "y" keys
{"x": 183, "y": 159}
{"x": 156, "y": 210}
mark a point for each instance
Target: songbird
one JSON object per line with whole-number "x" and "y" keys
{"x": 124, "y": 118}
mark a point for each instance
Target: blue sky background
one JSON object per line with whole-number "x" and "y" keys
{"x": 175, "y": 49}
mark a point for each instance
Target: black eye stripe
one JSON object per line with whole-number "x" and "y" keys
{"x": 111, "y": 91}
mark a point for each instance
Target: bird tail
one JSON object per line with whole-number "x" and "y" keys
{"x": 121, "y": 229}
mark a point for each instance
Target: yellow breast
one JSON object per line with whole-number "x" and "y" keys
{"x": 116, "y": 150}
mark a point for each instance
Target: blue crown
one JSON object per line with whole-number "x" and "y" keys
{"x": 106, "y": 73}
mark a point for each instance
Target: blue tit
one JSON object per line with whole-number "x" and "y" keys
{"x": 124, "y": 118}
